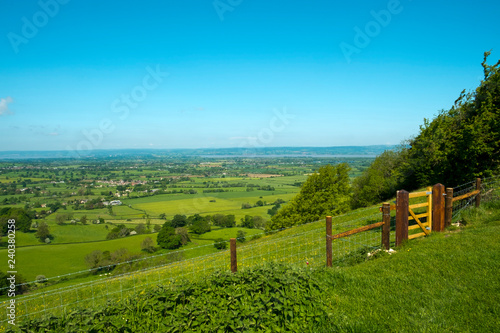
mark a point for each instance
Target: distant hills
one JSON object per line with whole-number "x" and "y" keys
{"x": 341, "y": 151}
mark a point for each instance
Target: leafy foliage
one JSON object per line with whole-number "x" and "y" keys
{"x": 147, "y": 245}
{"x": 183, "y": 232}
{"x": 326, "y": 192}
{"x": 241, "y": 236}
{"x": 119, "y": 231}
{"x": 198, "y": 224}
{"x": 268, "y": 298}
{"x": 463, "y": 142}
{"x": 42, "y": 231}
{"x": 168, "y": 239}
{"x": 457, "y": 146}
{"x": 19, "y": 282}
{"x": 381, "y": 180}
{"x": 22, "y": 217}
{"x": 179, "y": 221}
{"x": 225, "y": 221}
{"x": 220, "y": 244}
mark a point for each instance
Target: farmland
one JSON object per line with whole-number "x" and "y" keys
{"x": 73, "y": 198}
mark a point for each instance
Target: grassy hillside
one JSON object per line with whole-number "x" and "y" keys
{"x": 447, "y": 282}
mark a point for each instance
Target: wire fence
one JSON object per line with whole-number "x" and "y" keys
{"x": 460, "y": 205}
{"x": 303, "y": 245}
{"x": 488, "y": 187}
{"x": 488, "y": 192}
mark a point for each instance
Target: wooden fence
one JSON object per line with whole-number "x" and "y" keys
{"x": 438, "y": 214}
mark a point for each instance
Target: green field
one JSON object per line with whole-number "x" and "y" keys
{"x": 53, "y": 260}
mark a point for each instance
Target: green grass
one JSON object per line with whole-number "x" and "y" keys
{"x": 66, "y": 234}
{"x": 54, "y": 260}
{"x": 447, "y": 282}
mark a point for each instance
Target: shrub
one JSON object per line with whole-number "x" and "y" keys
{"x": 240, "y": 236}
{"x": 246, "y": 205}
{"x": 41, "y": 279}
{"x": 147, "y": 245}
{"x": 220, "y": 244}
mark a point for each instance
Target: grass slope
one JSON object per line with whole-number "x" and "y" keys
{"x": 447, "y": 282}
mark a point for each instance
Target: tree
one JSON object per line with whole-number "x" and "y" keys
{"x": 19, "y": 281}
{"x": 247, "y": 222}
{"x": 224, "y": 221}
{"x": 140, "y": 228}
{"x": 23, "y": 218}
{"x": 326, "y": 192}
{"x": 273, "y": 210}
{"x": 381, "y": 179}
{"x": 198, "y": 224}
{"x": 220, "y": 244}
{"x": 183, "y": 232}
{"x": 119, "y": 231}
{"x": 83, "y": 219}
{"x": 179, "y": 221}
{"x": 147, "y": 245}
{"x": 60, "y": 218}
{"x": 218, "y": 219}
{"x": 43, "y": 231}
{"x": 93, "y": 259}
{"x": 240, "y": 236}
{"x": 229, "y": 221}
{"x": 259, "y": 222}
{"x": 168, "y": 239}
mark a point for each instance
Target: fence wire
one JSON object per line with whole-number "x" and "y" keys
{"x": 304, "y": 245}
{"x": 489, "y": 191}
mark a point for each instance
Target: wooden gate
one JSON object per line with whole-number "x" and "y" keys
{"x": 427, "y": 225}
{"x": 405, "y": 212}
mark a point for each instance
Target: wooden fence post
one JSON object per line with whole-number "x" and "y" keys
{"x": 448, "y": 213}
{"x": 329, "y": 253}
{"x": 478, "y": 196}
{"x": 437, "y": 207}
{"x": 402, "y": 205}
{"x": 234, "y": 262}
{"x": 386, "y": 228}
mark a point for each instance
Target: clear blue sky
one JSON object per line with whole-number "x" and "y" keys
{"x": 77, "y": 74}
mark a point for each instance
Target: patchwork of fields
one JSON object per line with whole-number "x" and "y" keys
{"x": 63, "y": 194}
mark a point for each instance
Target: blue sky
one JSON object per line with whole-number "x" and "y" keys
{"x": 83, "y": 75}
